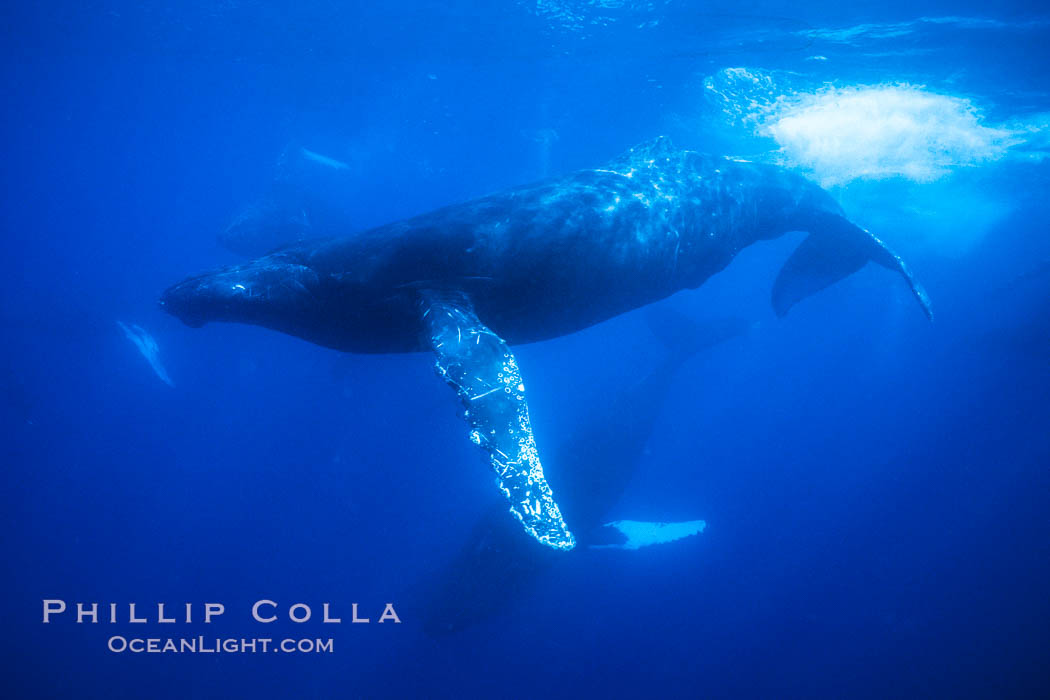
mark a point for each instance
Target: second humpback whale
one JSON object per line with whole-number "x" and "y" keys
{"x": 532, "y": 263}
{"x": 498, "y": 563}
{"x": 307, "y": 199}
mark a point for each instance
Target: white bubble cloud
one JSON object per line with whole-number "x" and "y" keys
{"x": 884, "y": 131}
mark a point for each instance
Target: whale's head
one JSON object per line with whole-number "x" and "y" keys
{"x": 307, "y": 294}
{"x": 274, "y": 291}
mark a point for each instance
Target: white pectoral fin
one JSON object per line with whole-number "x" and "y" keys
{"x": 147, "y": 346}
{"x": 481, "y": 369}
{"x": 638, "y": 534}
{"x": 324, "y": 160}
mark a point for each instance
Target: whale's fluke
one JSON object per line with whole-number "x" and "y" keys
{"x": 481, "y": 368}
{"x": 834, "y": 250}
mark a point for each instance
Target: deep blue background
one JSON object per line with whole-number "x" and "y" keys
{"x": 876, "y": 487}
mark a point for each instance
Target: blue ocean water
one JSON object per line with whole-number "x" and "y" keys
{"x": 875, "y": 486}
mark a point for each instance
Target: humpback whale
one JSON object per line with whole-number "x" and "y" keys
{"x": 594, "y": 468}
{"x": 531, "y": 263}
{"x": 306, "y": 199}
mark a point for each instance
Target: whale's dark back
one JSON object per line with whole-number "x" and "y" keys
{"x": 554, "y": 257}
{"x": 546, "y": 259}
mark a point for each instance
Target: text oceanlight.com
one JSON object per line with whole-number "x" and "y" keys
{"x": 218, "y": 645}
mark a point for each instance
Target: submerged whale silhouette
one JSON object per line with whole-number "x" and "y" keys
{"x": 593, "y": 470}
{"x": 533, "y": 263}
{"x": 307, "y": 199}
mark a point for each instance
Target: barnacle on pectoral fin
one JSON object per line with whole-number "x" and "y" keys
{"x": 481, "y": 369}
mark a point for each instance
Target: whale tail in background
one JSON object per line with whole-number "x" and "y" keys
{"x": 635, "y": 534}
{"x": 834, "y": 250}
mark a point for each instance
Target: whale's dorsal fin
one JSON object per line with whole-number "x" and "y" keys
{"x": 834, "y": 250}
{"x": 480, "y": 367}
